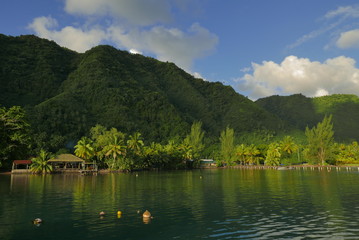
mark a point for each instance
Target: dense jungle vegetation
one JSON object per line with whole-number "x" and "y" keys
{"x": 135, "y": 112}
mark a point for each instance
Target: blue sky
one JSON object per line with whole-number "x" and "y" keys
{"x": 259, "y": 47}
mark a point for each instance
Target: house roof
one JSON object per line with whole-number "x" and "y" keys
{"x": 66, "y": 158}
{"x": 206, "y": 160}
{"x": 22, "y": 162}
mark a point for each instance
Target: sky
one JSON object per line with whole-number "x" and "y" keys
{"x": 259, "y": 47}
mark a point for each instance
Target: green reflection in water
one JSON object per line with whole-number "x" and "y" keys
{"x": 214, "y": 203}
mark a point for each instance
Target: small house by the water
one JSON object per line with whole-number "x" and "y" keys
{"x": 66, "y": 162}
{"x": 207, "y": 163}
{"x": 70, "y": 163}
{"x": 21, "y": 166}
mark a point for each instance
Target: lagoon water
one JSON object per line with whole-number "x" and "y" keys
{"x": 198, "y": 204}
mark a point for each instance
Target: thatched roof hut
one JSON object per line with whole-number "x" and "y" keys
{"x": 66, "y": 162}
{"x": 66, "y": 158}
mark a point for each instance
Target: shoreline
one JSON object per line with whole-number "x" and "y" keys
{"x": 252, "y": 167}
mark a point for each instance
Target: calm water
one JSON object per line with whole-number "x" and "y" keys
{"x": 207, "y": 204}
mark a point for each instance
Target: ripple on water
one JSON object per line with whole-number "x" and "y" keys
{"x": 275, "y": 226}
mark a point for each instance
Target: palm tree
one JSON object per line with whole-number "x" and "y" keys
{"x": 273, "y": 155}
{"x": 114, "y": 149}
{"x": 40, "y": 163}
{"x": 187, "y": 151}
{"x": 241, "y": 153}
{"x": 135, "y": 142}
{"x": 347, "y": 153}
{"x": 288, "y": 145}
{"x": 84, "y": 148}
{"x": 252, "y": 154}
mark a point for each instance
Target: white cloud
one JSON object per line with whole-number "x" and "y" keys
{"x": 70, "y": 37}
{"x": 168, "y": 44}
{"x": 321, "y": 92}
{"x": 332, "y": 23}
{"x": 198, "y": 75}
{"x": 135, "y": 51}
{"x": 346, "y": 39}
{"x": 133, "y": 25}
{"x": 344, "y": 11}
{"x": 312, "y": 35}
{"x": 246, "y": 69}
{"x": 300, "y": 75}
{"x": 349, "y": 39}
{"x": 134, "y": 11}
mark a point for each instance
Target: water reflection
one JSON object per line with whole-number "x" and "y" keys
{"x": 216, "y": 203}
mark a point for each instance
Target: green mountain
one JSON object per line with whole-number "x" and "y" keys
{"x": 300, "y": 111}
{"x": 66, "y": 93}
{"x": 32, "y": 69}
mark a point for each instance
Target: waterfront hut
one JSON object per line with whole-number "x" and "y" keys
{"x": 67, "y": 163}
{"x": 21, "y": 166}
{"x": 207, "y": 163}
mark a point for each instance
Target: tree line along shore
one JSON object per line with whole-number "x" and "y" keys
{"x": 112, "y": 149}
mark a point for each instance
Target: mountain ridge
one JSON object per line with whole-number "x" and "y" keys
{"x": 301, "y": 112}
{"x": 66, "y": 93}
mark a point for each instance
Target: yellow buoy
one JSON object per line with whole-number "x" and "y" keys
{"x": 37, "y": 221}
{"x": 146, "y": 214}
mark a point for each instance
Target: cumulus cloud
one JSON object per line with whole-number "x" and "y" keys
{"x": 70, "y": 37}
{"x": 300, "y": 75}
{"x": 168, "y": 44}
{"x": 132, "y": 25}
{"x": 137, "y": 12}
{"x": 349, "y": 39}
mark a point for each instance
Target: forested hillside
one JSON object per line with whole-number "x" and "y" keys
{"x": 127, "y": 111}
{"x": 301, "y": 111}
{"x": 32, "y": 69}
{"x": 66, "y": 93}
